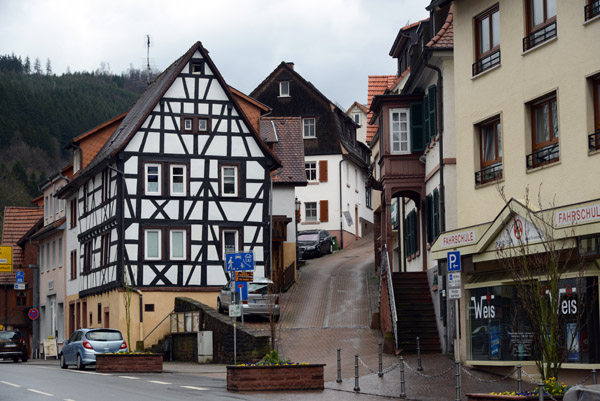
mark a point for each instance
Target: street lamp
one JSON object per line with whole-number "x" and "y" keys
{"x": 296, "y": 219}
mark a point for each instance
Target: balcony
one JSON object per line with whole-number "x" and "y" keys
{"x": 543, "y": 156}
{"x": 594, "y": 141}
{"x": 592, "y": 10}
{"x": 539, "y": 36}
{"x": 487, "y": 62}
{"x": 489, "y": 174}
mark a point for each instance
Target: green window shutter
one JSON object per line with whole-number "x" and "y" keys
{"x": 417, "y": 128}
{"x": 426, "y": 127}
{"x": 406, "y": 235}
{"x": 429, "y": 218}
{"x": 415, "y": 236}
{"x": 436, "y": 213}
{"x": 431, "y": 108}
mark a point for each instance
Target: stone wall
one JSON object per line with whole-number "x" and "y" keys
{"x": 251, "y": 345}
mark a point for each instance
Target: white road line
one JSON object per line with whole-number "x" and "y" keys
{"x": 196, "y": 388}
{"x": 68, "y": 399}
{"x": 158, "y": 382}
{"x": 129, "y": 377}
{"x": 88, "y": 373}
{"x": 10, "y": 384}
{"x": 40, "y": 392}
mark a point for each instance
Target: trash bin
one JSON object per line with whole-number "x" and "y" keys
{"x": 335, "y": 244}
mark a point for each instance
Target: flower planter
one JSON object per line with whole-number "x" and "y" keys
{"x": 494, "y": 397}
{"x": 275, "y": 377}
{"x": 129, "y": 363}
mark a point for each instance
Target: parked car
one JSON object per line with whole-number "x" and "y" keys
{"x": 84, "y": 344}
{"x": 313, "y": 243}
{"x": 261, "y": 301}
{"x": 13, "y": 345}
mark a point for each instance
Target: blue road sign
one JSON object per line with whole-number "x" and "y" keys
{"x": 20, "y": 275}
{"x": 241, "y": 287}
{"x": 454, "y": 261}
{"x": 240, "y": 261}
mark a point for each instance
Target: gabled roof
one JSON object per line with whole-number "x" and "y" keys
{"x": 444, "y": 39}
{"x": 17, "y": 222}
{"x": 286, "y": 135}
{"x": 362, "y": 107}
{"x": 378, "y": 84}
{"x": 150, "y": 98}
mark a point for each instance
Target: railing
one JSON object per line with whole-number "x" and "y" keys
{"x": 486, "y": 62}
{"x": 540, "y": 36}
{"x": 289, "y": 276}
{"x": 490, "y": 173}
{"x": 546, "y": 155}
{"x": 592, "y": 10}
{"x": 385, "y": 269}
{"x": 594, "y": 141}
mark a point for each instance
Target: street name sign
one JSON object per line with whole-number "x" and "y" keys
{"x": 240, "y": 261}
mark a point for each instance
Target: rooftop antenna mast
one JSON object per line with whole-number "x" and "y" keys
{"x": 148, "y": 60}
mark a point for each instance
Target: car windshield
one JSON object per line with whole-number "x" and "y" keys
{"x": 308, "y": 237}
{"x": 9, "y": 335}
{"x": 101, "y": 335}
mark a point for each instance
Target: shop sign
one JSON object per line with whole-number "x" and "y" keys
{"x": 580, "y": 215}
{"x": 518, "y": 231}
{"x": 459, "y": 239}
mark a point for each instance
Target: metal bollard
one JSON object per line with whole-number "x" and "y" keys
{"x": 339, "y": 366}
{"x": 380, "y": 373}
{"x": 420, "y": 367}
{"x": 541, "y": 390}
{"x": 594, "y": 376}
{"x": 402, "y": 383}
{"x": 457, "y": 380}
{"x": 356, "y": 387}
{"x": 519, "y": 379}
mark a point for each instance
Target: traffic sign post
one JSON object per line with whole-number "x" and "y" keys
{"x": 240, "y": 261}
{"x": 454, "y": 267}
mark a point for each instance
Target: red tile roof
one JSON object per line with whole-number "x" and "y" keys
{"x": 363, "y": 108}
{"x": 17, "y": 221}
{"x": 378, "y": 84}
{"x": 444, "y": 39}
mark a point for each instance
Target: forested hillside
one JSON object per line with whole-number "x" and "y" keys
{"x": 41, "y": 112}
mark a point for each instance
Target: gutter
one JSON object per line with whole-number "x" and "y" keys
{"x": 341, "y": 242}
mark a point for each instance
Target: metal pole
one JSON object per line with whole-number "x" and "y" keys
{"x": 594, "y": 376}
{"x": 457, "y": 380}
{"x": 339, "y": 366}
{"x": 420, "y": 367}
{"x": 519, "y": 379}
{"x": 402, "y": 383}
{"x": 234, "y": 342}
{"x": 356, "y": 387}
{"x": 380, "y": 373}
{"x": 456, "y": 306}
{"x": 541, "y": 390}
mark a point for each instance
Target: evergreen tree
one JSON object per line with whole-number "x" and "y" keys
{"x": 37, "y": 66}
{"x": 48, "y": 67}
{"x": 27, "y": 66}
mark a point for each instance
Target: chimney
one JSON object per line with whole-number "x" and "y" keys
{"x": 290, "y": 64}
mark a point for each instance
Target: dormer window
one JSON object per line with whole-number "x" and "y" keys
{"x": 197, "y": 68}
{"x": 284, "y": 89}
{"x": 357, "y": 118}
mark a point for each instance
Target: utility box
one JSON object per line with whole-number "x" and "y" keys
{"x": 205, "y": 347}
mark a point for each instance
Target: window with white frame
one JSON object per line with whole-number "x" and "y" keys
{"x": 178, "y": 180}
{"x": 311, "y": 171}
{"x": 399, "y": 135}
{"x": 188, "y": 124}
{"x": 309, "y": 128}
{"x": 229, "y": 181}
{"x": 310, "y": 211}
{"x": 177, "y": 244}
{"x": 357, "y": 118}
{"x": 153, "y": 178}
{"x": 230, "y": 240}
{"x": 284, "y": 89}
{"x": 152, "y": 244}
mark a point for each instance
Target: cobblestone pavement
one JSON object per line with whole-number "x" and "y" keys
{"x": 331, "y": 306}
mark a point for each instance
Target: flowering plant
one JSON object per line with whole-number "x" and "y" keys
{"x": 551, "y": 387}
{"x": 272, "y": 359}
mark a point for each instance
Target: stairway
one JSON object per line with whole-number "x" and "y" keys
{"x": 416, "y": 315}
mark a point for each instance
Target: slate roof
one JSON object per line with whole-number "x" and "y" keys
{"x": 444, "y": 39}
{"x": 285, "y": 133}
{"x": 17, "y": 222}
{"x": 378, "y": 84}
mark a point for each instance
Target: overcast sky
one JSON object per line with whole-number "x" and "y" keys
{"x": 335, "y": 44}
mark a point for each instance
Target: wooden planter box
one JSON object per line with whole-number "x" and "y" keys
{"x": 491, "y": 397}
{"x": 285, "y": 377}
{"x": 129, "y": 363}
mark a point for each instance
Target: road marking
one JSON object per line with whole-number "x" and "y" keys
{"x": 68, "y": 399}
{"x": 158, "y": 382}
{"x": 88, "y": 373}
{"x": 129, "y": 377}
{"x": 196, "y": 388}
{"x": 10, "y": 384}
{"x": 40, "y": 392}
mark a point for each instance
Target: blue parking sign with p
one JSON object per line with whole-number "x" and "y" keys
{"x": 20, "y": 277}
{"x": 454, "y": 261}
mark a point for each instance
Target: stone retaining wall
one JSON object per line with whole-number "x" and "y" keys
{"x": 286, "y": 377}
{"x": 140, "y": 363}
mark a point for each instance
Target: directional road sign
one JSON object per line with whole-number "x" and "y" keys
{"x": 454, "y": 261}
{"x": 240, "y": 261}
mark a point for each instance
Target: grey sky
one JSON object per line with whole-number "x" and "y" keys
{"x": 335, "y": 44}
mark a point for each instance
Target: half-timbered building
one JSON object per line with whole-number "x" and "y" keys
{"x": 184, "y": 179}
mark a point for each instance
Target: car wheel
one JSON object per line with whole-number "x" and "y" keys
{"x": 24, "y": 358}
{"x": 63, "y": 362}
{"x": 16, "y": 359}
{"x": 330, "y": 250}
{"x": 80, "y": 365}
{"x": 219, "y": 306}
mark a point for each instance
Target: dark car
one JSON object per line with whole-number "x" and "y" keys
{"x": 313, "y": 243}
{"x": 84, "y": 344}
{"x": 13, "y": 345}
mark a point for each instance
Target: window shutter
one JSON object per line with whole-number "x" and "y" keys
{"x": 324, "y": 214}
{"x": 436, "y": 213}
{"x": 431, "y": 108}
{"x": 417, "y": 129}
{"x": 411, "y": 226}
{"x": 428, "y": 218}
{"x": 323, "y": 170}
{"x": 426, "y": 127}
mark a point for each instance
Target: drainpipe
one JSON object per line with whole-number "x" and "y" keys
{"x": 35, "y": 336}
{"x": 341, "y": 242}
{"x": 141, "y": 314}
{"x": 440, "y": 129}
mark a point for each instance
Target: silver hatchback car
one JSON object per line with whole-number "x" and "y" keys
{"x": 261, "y": 301}
{"x": 83, "y": 345}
